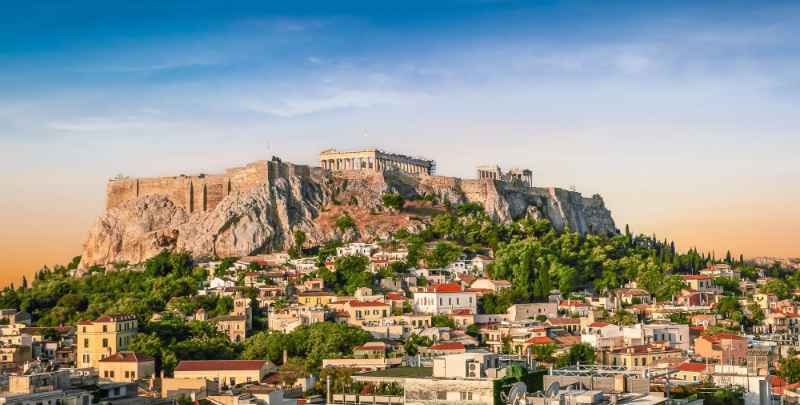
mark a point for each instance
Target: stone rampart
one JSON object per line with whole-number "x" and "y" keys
{"x": 202, "y": 192}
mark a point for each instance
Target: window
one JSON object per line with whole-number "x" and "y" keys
{"x": 105, "y": 328}
{"x": 441, "y": 395}
{"x": 85, "y": 343}
{"x": 105, "y": 342}
{"x": 466, "y": 396}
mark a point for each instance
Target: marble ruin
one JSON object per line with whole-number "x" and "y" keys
{"x": 375, "y": 160}
{"x": 514, "y": 176}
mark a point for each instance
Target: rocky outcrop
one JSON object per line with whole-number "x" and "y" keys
{"x": 264, "y": 218}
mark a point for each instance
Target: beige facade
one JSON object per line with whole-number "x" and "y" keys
{"x": 103, "y": 337}
{"x": 226, "y": 372}
{"x": 14, "y": 356}
{"x": 126, "y": 367}
{"x": 194, "y": 388}
{"x": 374, "y": 160}
{"x": 234, "y": 326}
{"x": 315, "y": 298}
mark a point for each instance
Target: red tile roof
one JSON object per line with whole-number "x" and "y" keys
{"x": 462, "y": 311}
{"x": 599, "y": 325}
{"x": 362, "y": 304}
{"x": 445, "y": 288}
{"x": 540, "y": 340}
{"x": 395, "y": 296}
{"x": 371, "y": 346}
{"x": 777, "y": 384}
{"x": 568, "y": 340}
{"x": 723, "y": 336}
{"x": 126, "y": 357}
{"x": 691, "y": 367}
{"x": 696, "y": 277}
{"x": 215, "y": 365}
{"x": 564, "y": 321}
{"x": 448, "y": 346}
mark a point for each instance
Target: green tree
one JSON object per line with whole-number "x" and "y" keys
{"x": 413, "y": 342}
{"x": 790, "y": 369}
{"x": 543, "y": 352}
{"x": 729, "y": 308}
{"x": 443, "y": 254}
{"x": 345, "y": 222}
{"x": 777, "y": 287}
{"x": 579, "y": 353}
{"x": 393, "y": 200}
{"x": 442, "y": 321}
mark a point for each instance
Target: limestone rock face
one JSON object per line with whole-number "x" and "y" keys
{"x": 135, "y": 231}
{"x": 264, "y": 218}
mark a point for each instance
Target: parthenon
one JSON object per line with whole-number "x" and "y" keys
{"x": 375, "y": 160}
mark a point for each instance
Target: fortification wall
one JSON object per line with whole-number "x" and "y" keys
{"x": 241, "y": 179}
{"x": 477, "y": 190}
{"x": 205, "y": 191}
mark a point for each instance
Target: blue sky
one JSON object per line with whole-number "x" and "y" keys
{"x": 682, "y": 114}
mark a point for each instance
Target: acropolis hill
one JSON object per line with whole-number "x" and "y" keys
{"x": 256, "y": 208}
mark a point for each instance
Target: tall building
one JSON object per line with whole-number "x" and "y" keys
{"x": 103, "y": 337}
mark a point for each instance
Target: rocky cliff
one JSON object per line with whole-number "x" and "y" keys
{"x": 263, "y": 218}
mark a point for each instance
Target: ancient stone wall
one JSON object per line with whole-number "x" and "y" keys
{"x": 205, "y": 191}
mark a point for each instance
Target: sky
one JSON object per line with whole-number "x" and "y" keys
{"x": 682, "y": 115}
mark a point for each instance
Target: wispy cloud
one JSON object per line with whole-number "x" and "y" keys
{"x": 105, "y": 124}
{"x": 344, "y": 99}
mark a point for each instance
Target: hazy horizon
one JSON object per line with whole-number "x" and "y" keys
{"x": 682, "y": 115}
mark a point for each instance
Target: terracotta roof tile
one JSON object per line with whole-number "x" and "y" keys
{"x": 126, "y": 357}
{"x": 448, "y": 346}
{"x": 215, "y": 365}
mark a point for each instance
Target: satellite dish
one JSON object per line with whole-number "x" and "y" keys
{"x": 515, "y": 394}
{"x": 553, "y": 389}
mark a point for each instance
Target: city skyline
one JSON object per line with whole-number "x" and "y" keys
{"x": 681, "y": 115}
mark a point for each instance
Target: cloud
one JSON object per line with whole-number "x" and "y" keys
{"x": 345, "y": 99}
{"x": 632, "y": 63}
{"x": 103, "y": 124}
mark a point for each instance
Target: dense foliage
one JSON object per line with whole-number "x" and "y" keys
{"x": 313, "y": 343}
{"x": 393, "y": 201}
{"x": 351, "y": 273}
{"x": 57, "y": 298}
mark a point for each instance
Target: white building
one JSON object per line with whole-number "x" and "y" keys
{"x": 445, "y": 299}
{"x": 673, "y": 334}
{"x": 601, "y": 335}
{"x": 489, "y": 284}
{"x": 304, "y": 264}
{"x": 357, "y": 249}
{"x": 721, "y": 270}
